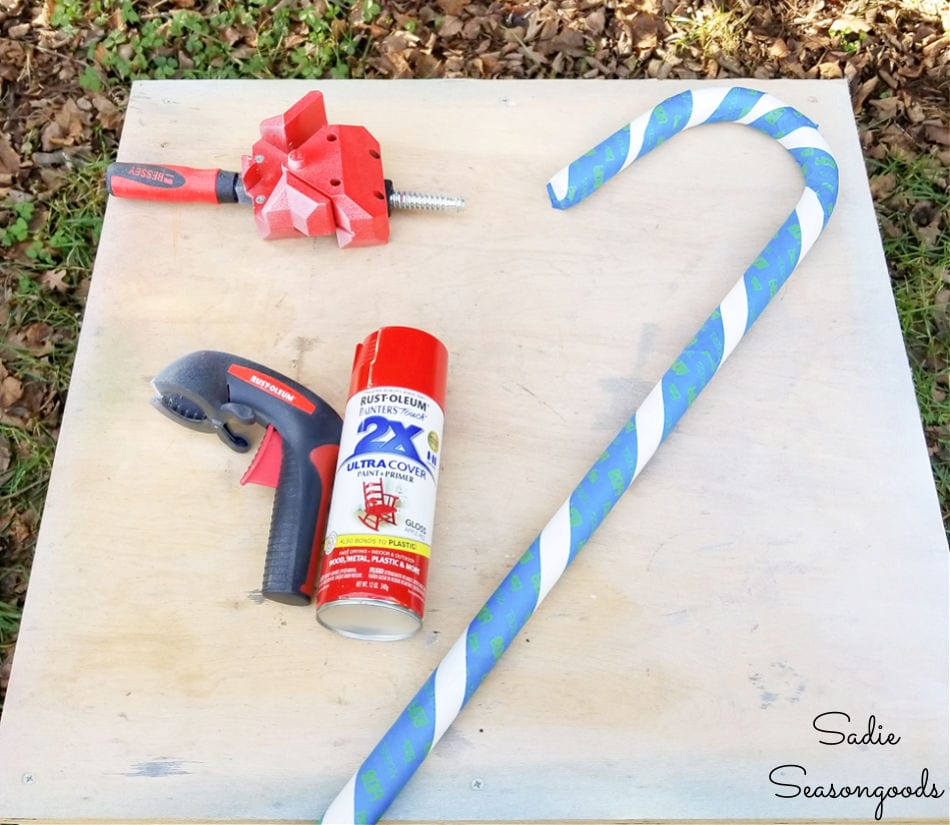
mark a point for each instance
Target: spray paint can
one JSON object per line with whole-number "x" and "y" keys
{"x": 379, "y": 531}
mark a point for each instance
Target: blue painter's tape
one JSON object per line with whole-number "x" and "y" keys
{"x": 821, "y": 175}
{"x": 603, "y": 485}
{"x": 590, "y": 171}
{"x": 691, "y": 371}
{"x": 407, "y": 743}
{"x": 498, "y": 622}
{"x": 773, "y": 266}
{"x": 666, "y": 119}
{"x": 735, "y": 105}
{"x": 397, "y": 756}
{"x": 780, "y": 122}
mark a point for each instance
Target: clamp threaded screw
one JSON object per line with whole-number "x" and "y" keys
{"x": 429, "y": 203}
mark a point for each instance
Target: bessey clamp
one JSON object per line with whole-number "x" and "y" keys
{"x": 303, "y": 177}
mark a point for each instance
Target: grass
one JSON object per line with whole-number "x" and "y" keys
{"x": 716, "y": 31}
{"x": 50, "y": 247}
{"x": 913, "y": 217}
{"x": 224, "y": 40}
{"x": 9, "y": 621}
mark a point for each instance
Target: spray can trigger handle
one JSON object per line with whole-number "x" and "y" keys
{"x": 264, "y": 469}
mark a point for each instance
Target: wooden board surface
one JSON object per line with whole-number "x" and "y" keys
{"x": 782, "y": 557}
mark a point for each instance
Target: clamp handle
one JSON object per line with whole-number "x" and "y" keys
{"x": 174, "y": 184}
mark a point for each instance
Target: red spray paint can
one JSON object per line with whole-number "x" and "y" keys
{"x": 379, "y": 530}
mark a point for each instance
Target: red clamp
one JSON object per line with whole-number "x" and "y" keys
{"x": 303, "y": 177}
{"x": 307, "y": 177}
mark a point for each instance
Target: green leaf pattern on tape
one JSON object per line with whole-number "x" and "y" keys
{"x": 417, "y": 715}
{"x": 617, "y": 481}
{"x": 372, "y": 785}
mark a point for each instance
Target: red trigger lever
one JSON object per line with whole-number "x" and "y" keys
{"x": 264, "y": 469}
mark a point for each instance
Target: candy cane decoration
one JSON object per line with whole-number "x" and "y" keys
{"x": 423, "y": 722}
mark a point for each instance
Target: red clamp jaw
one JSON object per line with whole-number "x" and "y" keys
{"x": 307, "y": 177}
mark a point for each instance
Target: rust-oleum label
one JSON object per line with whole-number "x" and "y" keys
{"x": 379, "y": 530}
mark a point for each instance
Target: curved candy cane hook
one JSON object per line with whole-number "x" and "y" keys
{"x": 423, "y": 722}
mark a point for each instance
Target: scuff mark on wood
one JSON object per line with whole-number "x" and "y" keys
{"x": 157, "y": 768}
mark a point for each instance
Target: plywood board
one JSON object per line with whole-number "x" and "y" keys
{"x": 781, "y": 558}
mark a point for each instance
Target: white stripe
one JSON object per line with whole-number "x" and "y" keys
{"x": 763, "y": 106}
{"x": 649, "y": 422}
{"x": 735, "y": 315}
{"x": 805, "y": 137}
{"x": 449, "y": 687}
{"x": 811, "y": 218}
{"x": 555, "y": 549}
{"x": 638, "y": 129}
{"x": 342, "y": 809}
{"x": 559, "y": 183}
{"x": 821, "y": 143}
{"x": 705, "y": 102}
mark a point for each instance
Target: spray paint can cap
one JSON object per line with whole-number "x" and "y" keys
{"x": 401, "y": 357}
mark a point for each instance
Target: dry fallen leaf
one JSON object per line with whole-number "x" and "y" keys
{"x": 11, "y": 391}
{"x": 451, "y": 25}
{"x": 9, "y": 157}
{"x": 12, "y": 57}
{"x": 36, "y": 338}
{"x": 882, "y": 186}
{"x": 66, "y": 128}
{"x": 847, "y": 23}
{"x": 887, "y": 107}
{"x": 938, "y": 134}
{"x": 644, "y": 32}
{"x": 595, "y": 22}
{"x": 54, "y": 280}
{"x": 570, "y": 42}
{"x": 54, "y": 179}
{"x": 109, "y": 115}
{"x": 863, "y": 92}
{"x": 21, "y": 527}
{"x": 453, "y": 7}
{"x": 779, "y": 49}
{"x": 6, "y": 668}
{"x": 5, "y": 456}
{"x": 926, "y": 223}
